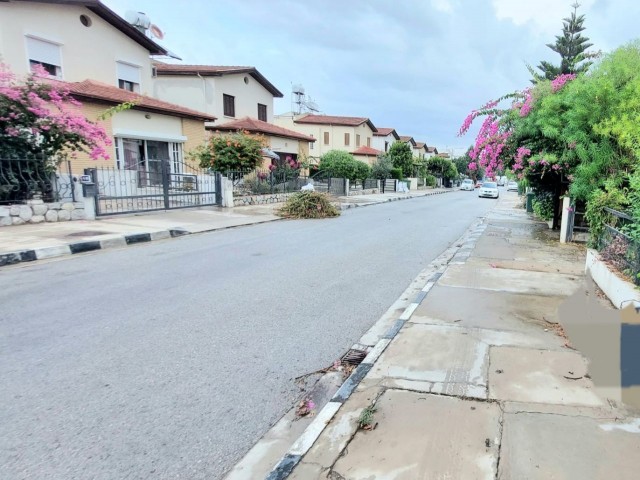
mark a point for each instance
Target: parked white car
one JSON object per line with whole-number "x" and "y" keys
{"x": 489, "y": 190}
{"x": 512, "y": 187}
{"x": 467, "y": 185}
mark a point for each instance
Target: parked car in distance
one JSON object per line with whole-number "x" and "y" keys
{"x": 502, "y": 181}
{"x": 512, "y": 187}
{"x": 489, "y": 190}
{"x": 478, "y": 184}
{"x": 467, "y": 184}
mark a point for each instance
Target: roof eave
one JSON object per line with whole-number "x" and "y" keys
{"x": 143, "y": 108}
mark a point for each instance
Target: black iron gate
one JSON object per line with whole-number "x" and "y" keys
{"x": 168, "y": 185}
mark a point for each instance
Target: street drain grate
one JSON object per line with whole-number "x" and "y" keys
{"x": 353, "y": 357}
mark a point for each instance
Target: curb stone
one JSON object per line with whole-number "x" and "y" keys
{"x": 347, "y": 206}
{"x": 299, "y": 449}
{"x": 31, "y": 255}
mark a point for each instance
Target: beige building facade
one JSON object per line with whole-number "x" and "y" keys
{"x": 228, "y": 93}
{"x": 331, "y": 132}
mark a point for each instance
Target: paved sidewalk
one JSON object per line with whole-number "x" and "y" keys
{"x": 26, "y": 243}
{"x": 475, "y": 380}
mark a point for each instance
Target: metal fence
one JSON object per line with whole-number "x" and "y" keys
{"x": 618, "y": 248}
{"x": 367, "y": 184}
{"x": 264, "y": 181}
{"x": 25, "y": 178}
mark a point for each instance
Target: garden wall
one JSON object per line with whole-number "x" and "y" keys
{"x": 261, "y": 199}
{"x": 37, "y": 211}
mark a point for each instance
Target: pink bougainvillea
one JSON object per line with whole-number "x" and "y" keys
{"x": 560, "y": 81}
{"x": 490, "y": 142}
{"x": 39, "y": 115}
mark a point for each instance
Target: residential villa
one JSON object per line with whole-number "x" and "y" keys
{"x": 225, "y": 92}
{"x": 332, "y": 132}
{"x": 420, "y": 150}
{"x": 408, "y": 140}
{"x": 431, "y": 152}
{"x": 143, "y": 136}
{"x": 384, "y": 138}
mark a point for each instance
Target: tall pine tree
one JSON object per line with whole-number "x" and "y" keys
{"x": 572, "y": 48}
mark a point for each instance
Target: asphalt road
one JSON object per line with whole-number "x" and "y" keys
{"x": 169, "y": 360}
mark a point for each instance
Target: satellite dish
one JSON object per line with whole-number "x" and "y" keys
{"x": 313, "y": 106}
{"x": 156, "y": 32}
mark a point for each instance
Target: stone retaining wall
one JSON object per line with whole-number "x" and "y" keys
{"x": 261, "y": 199}
{"x": 36, "y": 211}
{"x": 368, "y": 191}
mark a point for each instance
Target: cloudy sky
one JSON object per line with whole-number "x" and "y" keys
{"x": 416, "y": 65}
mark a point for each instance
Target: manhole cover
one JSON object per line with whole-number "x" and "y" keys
{"x": 88, "y": 233}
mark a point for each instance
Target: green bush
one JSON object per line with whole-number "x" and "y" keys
{"x": 396, "y": 173}
{"x": 595, "y": 213}
{"x": 430, "y": 181}
{"x": 238, "y": 151}
{"x": 340, "y": 164}
{"x": 381, "y": 168}
{"x": 308, "y": 204}
{"x": 543, "y": 206}
{"x": 402, "y": 157}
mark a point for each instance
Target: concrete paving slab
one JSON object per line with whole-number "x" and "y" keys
{"x": 542, "y": 447}
{"x": 427, "y": 437}
{"x": 540, "y": 376}
{"x": 606, "y": 412}
{"x": 427, "y": 353}
{"x": 340, "y": 430}
{"x": 488, "y": 309}
{"x": 507, "y": 280}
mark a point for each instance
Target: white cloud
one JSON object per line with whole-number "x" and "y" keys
{"x": 442, "y": 5}
{"x": 544, "y": 16}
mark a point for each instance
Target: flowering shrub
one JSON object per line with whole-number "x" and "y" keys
{"x": 239, "y": 151}
{"x": 39, "y": 117}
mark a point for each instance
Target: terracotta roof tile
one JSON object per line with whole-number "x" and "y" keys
{"x": 335, "y": 120}
{"x": 420, "y": 145}
{"x": 364, "y": 150}
{"x": 258, "y": 126}
{"x": 90, "y": 89}
{"x": 383, "y": 132}
{"x": 432, "y": 150}
{"x": 216, "y": 70}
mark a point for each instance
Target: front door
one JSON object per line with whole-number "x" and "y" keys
{"x": 157, "y": 153}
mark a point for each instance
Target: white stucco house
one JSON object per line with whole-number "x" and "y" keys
{"x": 225, "y": 92}
{"x": 384, "y": 138}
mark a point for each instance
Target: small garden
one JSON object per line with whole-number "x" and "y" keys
{"x": 575, "y": 131}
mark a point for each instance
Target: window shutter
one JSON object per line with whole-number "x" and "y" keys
{"x": 128, "y": 72}
{"x": 44, "y": 52}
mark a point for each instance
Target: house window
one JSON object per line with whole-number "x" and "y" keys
{"x": 357, "y": 140}
{"x": 262, "y": 112}
{"x": 128, "y": 76}
{"x": 311, "y": 144}
{"x": 46, "y": 54}
{"x": 229, "y": 105}
{"x": 176, "y": 156}
{"x": 326, "y": 138}
{"x": 386, "y": 146}
{"x": 144, "y": 158}
{"x": 346, "y": 139}
{"x": 368, "y": 141}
